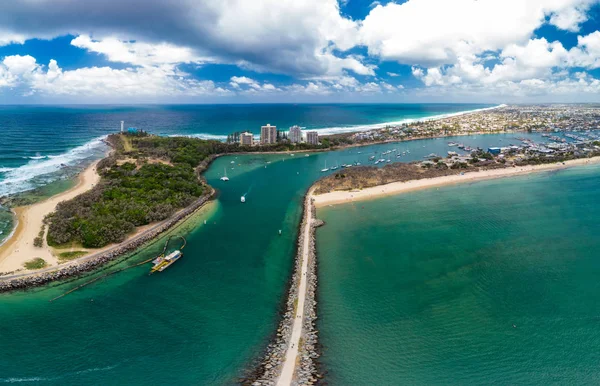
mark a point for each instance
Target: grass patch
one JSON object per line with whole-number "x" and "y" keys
{"x": 66, "y": 256}
{"x": 126, "y": 143}
{"x": 37, "y": 263}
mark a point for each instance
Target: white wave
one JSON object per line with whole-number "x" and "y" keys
{"x": 4, "y": 170}
{"x": 352, "y": 129}
{"x": 37, "y": 157}
{"x": 22, "y": 178}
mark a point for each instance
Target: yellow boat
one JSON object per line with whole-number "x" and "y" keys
{"x": 161, "y": 263}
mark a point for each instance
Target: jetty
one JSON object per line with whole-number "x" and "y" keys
{"x": 291, "y": 358}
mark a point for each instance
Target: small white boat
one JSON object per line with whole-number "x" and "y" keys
{"x": 326, "y": 169}
{"x": 243, "y": 199}
{"x": 232, "y": 162}
{"x": 225, "y": 178}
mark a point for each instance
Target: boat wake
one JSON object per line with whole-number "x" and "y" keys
{"x": 46, "y": 379}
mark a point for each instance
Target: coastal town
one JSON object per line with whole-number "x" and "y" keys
{"x": 503, "y": 119}
{"x": 269, "y": 135}
{"x": 537, "y": 138}
{"x": 568, "y": 131}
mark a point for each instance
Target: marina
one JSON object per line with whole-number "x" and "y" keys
{"x": 257, "y": 262}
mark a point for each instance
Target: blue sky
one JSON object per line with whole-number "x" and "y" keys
{"x": 239, "y": 51}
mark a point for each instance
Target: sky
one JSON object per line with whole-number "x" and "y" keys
{"x": 299, "y": 51}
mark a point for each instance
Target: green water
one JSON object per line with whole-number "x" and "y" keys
{"x": 206, "y": 319}
{"x": 7, "y": 219}
{"x": 424, "y": 288}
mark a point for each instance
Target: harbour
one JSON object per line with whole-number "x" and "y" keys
{"x": 261, "y": 265}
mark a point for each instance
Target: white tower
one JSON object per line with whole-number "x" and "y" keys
{"x": 122, "y": 126}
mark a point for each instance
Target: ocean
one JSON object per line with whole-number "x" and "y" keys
{"x": 494, "y": 282}
{"x": 41, "y": 145}
{"x": 208, "y": 318}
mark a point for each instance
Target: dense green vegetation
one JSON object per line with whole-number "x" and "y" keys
{"x": 71, "y": 255}
{"x": 136, "y": 189}
{"x": 145, "y": 180}
{"x": 37, "y": 263}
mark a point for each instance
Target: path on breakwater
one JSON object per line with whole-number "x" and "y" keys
{"x": 287, "y": 371}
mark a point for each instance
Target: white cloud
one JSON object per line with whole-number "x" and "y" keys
{"x": 93, "y": 82}
{"x": 10, "y": 38}
{"x": 460, "y": 45}
{"x": 137, "y": 53}
{"x": 242, "y": 80}
{"x": 284, "y": 36}
{"x": 587, "y": 52}
{"x": 388, "y": 87}
{"x": 537, "y": 59}
{"x": 252, "y": 85}
{"x": 431, "y": 33}
{"x": 570, "y": 15}
{"x": 16, "y": 67}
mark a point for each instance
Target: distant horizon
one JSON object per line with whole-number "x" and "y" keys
{"x": 288, "y": 103}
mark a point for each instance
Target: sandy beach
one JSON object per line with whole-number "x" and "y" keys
{"x": 342, "y": 197}
{"x": 19, "y": 247}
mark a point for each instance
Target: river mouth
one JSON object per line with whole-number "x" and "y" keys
{"x": 209, "y": 315}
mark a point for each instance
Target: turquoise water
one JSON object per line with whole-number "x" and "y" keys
{"x": 204, "y": 320}
{"x": 425, "y": 287}
{"x": 43, "y": 144}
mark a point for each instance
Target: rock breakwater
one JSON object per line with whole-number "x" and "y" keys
{"x": 306, "y": 371}
{"x": 87, "y": 264}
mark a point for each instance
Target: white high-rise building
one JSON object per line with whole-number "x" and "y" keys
{"x": 295, "y": 135}
{"x": 246, "y": 138}
{"x": 312, "y": 137}
{"x": 268, "y": 134}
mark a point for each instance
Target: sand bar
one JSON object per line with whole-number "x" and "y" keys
{"x": 342, "y": 197}
{"x": 19, "y": 248}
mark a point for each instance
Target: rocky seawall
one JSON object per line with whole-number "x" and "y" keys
{"x": 267, "y": 372}
{"x": 307, "y": 371}
{"x": 94, "y": 262}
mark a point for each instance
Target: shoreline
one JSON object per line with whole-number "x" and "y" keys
{"x": 98, "y": 258}
{"x": 18, "y": 247}
{"x": 394, "y": 188}
{"x": 375, "y": 126}
{"x": 337, "y": 130}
